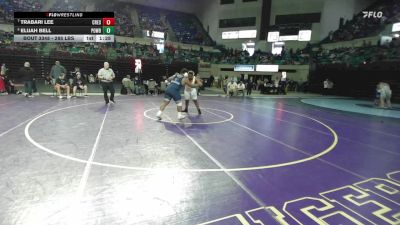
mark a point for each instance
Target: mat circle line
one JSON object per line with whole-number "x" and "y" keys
{"x": 189, "y": 123}
{"x": 50, "y": 151}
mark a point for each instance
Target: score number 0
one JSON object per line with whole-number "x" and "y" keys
{"x": 108, "y": 21}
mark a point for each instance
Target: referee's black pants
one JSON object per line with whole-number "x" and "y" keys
{"x": 108, "y": 87}
{"x": 249, "y": 91}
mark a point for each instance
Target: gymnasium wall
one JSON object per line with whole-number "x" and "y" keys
{"x": 331, "y": 12}
{"x": 175, "y": 5}
{"x": 287, "y": 7}
{"x": 297, "y": 73}
{"x": 213, "y": 12}
{"x": 148, "y": 41}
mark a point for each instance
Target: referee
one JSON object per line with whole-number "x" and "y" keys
{"x": 106, "y": 76}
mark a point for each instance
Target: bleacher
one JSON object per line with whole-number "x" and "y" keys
{"x": 66, "y": 6}
{"x": 150, "y": 18}
{"x": 359, "y": 27}
{"x": 187, "y": 29}
{"x": 124, "y": 24}
{"x": 6, "y": 11}
{"x": 8, "y": 7}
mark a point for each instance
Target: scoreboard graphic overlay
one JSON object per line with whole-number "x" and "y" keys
{"x": 64, "y": 26}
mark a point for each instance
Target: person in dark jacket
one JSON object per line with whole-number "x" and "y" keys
{"x": 26, "y": 74}
{"x": 79, "y": 83}
{"x": 249, "y": 86}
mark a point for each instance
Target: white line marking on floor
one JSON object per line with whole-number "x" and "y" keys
{"x": 26, "y": 121}
{"x": 320, "y": 117}
{"x": 238, "y": 182}
{"x": 85, "y": 175}
{"x": 295, "y": 149}
{"x": 318, "y": 131}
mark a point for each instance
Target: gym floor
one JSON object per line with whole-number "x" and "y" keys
{"x": 243, "y": 161}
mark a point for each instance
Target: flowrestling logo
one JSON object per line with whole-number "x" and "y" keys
{"x": 372, "y": 14}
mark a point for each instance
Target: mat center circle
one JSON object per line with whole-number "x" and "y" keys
{"x": 221, "y": 115}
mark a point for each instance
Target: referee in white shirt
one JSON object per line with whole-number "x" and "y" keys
{"x": 106, "y": 76}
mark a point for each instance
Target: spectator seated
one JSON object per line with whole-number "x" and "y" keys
{"x": 66, "y": 6}
{"x": 123, "y": 20}
{"x": 150, "y": 19}
{"x": 124, "y": 24}
{"x": 187, "y": 29}
{"x": 152, "y": 87}
{"x": 232, "y": 88}
{"x": 6, "y": 11}
{"x": 354, "y": 57}
{"x": 92, "y": 79}
{"x": 62, "y": 84}
{"x": 79, "y": 84}
{"x": 360, "y": 27}
{"x": 128, "y": 84}
{"x": 240, "y": 88}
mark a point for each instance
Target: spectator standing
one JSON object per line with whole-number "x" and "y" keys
{"x": 385, "y": 95}
{"x": 136, "y": 84}
{"x": 249, "y": 87}
{"x": 26, "y": 74}
{"x": 3, "y": 70}
{"x": 92, "y": 79}
{"x": 325, "y": 86}
{"x": 2, "y": 85}
{"x": 146, "y": 86}
{"x": 260, "y": 83}
{"x": 276, "y": 84}
{"x": 377, "y": 98}
{"x": 2, "y": 79}
{"x": 225, "y": 84}
{"x": 56, "y": 70}
{"x": 212, "y": 81}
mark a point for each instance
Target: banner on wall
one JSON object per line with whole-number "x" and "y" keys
{"x": 243, "y": 68}
{"x": 304, "y": 35}
{"x": 267, "y": 68}
{"x": 273, "y": 36}
{"x": 396, "y": 27}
